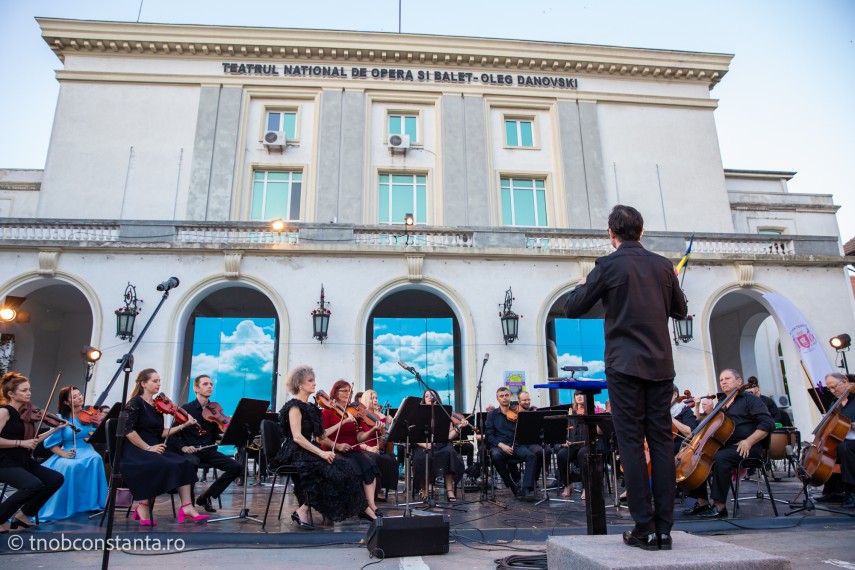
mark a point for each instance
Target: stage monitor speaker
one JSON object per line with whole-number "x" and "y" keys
{"x": 408, "y": 536}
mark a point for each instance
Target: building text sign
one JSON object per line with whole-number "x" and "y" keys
{"x": 398, "y": 74}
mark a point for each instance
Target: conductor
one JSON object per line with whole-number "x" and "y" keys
{"x": 639, "y": 292}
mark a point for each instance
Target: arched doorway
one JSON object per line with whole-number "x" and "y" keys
{"x": 419, "y": 328}
{"x": 232, "y": 335}
{"x": 53, "y": 323}
{"x": 575, "y": 342}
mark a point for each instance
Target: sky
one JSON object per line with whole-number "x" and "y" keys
{"x": 785, "y": 104}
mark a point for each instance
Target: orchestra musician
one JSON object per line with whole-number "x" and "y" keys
{"x": 326, "y": 479}
{"x": 752, "y": 423}
{"x": 349, "y": 440}
{"x": 569, "y": 451}
{"x": 640, "y": 292}
{"x": 705, "y": 407}
{"x": 779, "y": 416}
{"x": 683, "y": 419}
{"x": 524, "y": 405}
{"x": 840, "y": 384}
{"x": 85, "y": 488}
{"x": 148, "y": 467}
{"x": 387, "y": 462}
{"x": 500, "y": 432}
{"x": 444, "y": 459}
{"x": 35, "y": 483}
{"x": 202, "y": 449}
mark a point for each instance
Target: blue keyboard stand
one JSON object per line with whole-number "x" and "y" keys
{"x": 595, "y": 506}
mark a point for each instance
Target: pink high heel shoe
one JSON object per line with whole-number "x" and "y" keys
{"x": 182, "y": 517}
{"x": 143, "y": 522}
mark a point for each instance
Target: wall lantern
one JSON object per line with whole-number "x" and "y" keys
{"x": 127, "y": 315}
{"x": 509, "y": 319}
{"x": 321, "y": 319}
{"x": 683, "y": 329}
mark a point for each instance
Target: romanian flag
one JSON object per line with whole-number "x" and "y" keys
{"x": 685, "y": 259}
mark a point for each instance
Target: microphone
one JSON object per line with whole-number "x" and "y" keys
{"x": 486, "y": 357}
{"x": 403, "y": 365}
{"x": 168, "y": 285}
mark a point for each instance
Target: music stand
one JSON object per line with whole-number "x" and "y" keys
{"x": 411, "y": 424}
{"x": 243, "y": 427}
{"x": 542, "y": 428}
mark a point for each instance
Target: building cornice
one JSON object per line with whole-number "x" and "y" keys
{"x": 347, "y": 47}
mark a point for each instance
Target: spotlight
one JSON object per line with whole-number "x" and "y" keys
{"x": 10, "y": 308}
{"x": 8, "y": 314}
{"x": 840, "y": 342}
{"x": 409, "y": 220}
{"x": 278, "y": 225}
{"x": 91, "y": 354}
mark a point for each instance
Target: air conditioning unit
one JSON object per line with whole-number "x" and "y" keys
{"x": 274, "y": 139}
{"x": 782, "y": 400}
{"x": 398, "y": 142}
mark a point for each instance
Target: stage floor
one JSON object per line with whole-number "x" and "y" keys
{"x": 470, "y": 518}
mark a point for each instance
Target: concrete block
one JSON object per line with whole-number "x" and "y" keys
{"x": 609, "y": 552}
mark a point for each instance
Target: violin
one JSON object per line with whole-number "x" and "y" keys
{"x": 31, "y": 415}
{"x": 166, "y": 406}
{"x": 687, "y": 398}
{"x": 213, "y": 412}
{"x": 694, "y": 461}
{"x": 511, "y": 415}
{"x": 327, "y": 403}
{"x": 90, "y": 416}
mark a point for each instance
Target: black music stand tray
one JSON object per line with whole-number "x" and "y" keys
{"x": 541, "y": 428}
{"x": 411, "y": 424}
{"x": 243, "y": 427}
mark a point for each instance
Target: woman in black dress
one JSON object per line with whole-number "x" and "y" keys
{"x": 147, "y": 467}
{"x": 332, "y": 487}
{"x": 445, "y": 460}
{"x": 35, "y": 484}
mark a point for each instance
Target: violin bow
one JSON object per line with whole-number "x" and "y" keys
{"x": 184, "y": 387}
{"x": 52, "y": 392}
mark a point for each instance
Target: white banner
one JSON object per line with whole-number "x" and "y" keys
{"x": 815, "y": 362}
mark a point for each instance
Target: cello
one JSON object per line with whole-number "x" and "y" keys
{"x": 694, "y": 461}
{"x": 819, "y": 458}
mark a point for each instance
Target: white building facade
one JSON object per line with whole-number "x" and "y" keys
{"x": 174, "y": 147}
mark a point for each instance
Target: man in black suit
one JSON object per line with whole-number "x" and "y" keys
{"x": 639, "y": 291}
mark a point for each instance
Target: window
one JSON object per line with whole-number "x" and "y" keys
{"x": 276, "y": 194}
{"x": 519, "y": 133}
{"x": 400, "y": 124}
{"x": 402, "y": 194}
{"x": 523, "y": 202}
{"x": 283, "y": 121}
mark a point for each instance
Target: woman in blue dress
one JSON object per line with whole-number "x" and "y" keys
{"x": 85, "y": 487}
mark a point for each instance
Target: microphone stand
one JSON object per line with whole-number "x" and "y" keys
{"x": 126, "y": 365}
{"x": 482, "y": 441}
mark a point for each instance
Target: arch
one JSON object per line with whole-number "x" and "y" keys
{"x": 447, "y": 294}
{"x": 177, "y": 324}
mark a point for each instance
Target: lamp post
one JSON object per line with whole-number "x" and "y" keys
{"x": 509, "y": 319}
{"x": 91, "y": 355}
{"x": 321, "y": 319}
{"x": 409, "y": 221}
{"x": 125, "y": 316}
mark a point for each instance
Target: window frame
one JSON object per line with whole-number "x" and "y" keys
{"x": 415, "y": 113}
{"x": 415, "y": 211}
{"x": 534, "y": 178}
{"x": 281, "y": 109}
{"x": 520, "y": 117}
{"x": 268, "y": 170}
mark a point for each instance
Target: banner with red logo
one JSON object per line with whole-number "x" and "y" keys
{"x": 813, "y": 357}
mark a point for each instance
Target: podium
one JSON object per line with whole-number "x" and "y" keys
{"x": 595, "y": 506}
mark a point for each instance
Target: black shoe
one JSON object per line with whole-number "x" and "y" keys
{"x": 664, "y": 540}
{"x": 714, "y": 513}
{"x": 831, "y": 498}
{"x": 849, "y": 503}
{"x": 304, "y": 525}
{"x": 644, "y": 540}
{"x": 18, "y": 523}
{"x": 378, "y": 513}
{"x": 697, "y": 509}
{"x": 205, "y": 501}
{"x": 365, "y": 517}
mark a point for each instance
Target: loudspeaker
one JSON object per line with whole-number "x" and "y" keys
{"x": 408, "y": 536}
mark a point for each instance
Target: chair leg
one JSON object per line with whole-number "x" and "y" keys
{"x": 769, "y": 489}
{"x": 284, "y": 492}
{"x": 172, "y": 499}
{"x": 736, "y": 494}
{"x": 269, "y": 498}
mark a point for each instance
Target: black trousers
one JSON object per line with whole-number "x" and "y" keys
{"x": 846, "y": 457}
{"x": 726, "y": 459}
{"x": 35, "y": 485}
{"x": 388, "y": 466}
{"x": 521, "y": 452}
{"x": 228, "y": 467}
{"x": 571, "y": 453}
{"x": 641, "y": 409}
